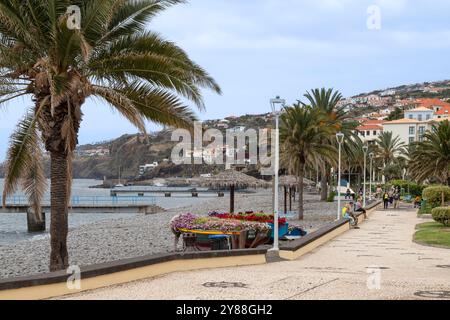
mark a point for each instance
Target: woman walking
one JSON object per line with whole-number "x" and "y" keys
{"x": 386, "y": 199}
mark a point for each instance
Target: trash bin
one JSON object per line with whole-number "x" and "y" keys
{"x": 220, "y": 242}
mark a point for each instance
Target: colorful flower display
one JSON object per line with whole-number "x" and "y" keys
{"x": 192, "y": 222}
{"x": 249, "y": 216}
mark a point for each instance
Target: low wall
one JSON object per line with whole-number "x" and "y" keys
{"x": 299, "y": 248}
{"x": 54, "y": 284}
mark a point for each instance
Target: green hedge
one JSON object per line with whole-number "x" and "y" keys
{"x": 441, "y": 215}
{"x": 412, "y": 188}
{"x": 331, "y": 196}
{"x": 434, "y": 195}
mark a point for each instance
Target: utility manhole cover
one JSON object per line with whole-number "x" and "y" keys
{"x": 225, "y": 285}
{"x": 433, "y": 294}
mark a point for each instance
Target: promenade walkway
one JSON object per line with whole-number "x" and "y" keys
{"x": 382, "y": 249}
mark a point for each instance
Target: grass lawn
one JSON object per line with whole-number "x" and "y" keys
{"x": 433, "y": 233}
{"x": 426, "y": 209}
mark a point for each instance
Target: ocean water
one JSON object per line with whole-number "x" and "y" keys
{"x": 13, "y": 226}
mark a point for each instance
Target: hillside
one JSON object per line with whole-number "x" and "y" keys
{"x": 127, "y": 153}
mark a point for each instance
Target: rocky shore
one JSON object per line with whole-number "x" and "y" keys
{"x": 141, "y": 235}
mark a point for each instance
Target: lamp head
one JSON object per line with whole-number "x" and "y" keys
{"x": 365, "y": 149}
{"x": 340, "y": 137}
{"x": 277, "y": 104}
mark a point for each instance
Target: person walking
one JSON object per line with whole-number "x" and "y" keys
{"x": 396, "y": 200}
{"x": 379, "y": 192}
{"x": 386, "y": 200}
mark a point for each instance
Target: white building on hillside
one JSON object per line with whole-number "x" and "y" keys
{"x": 145, "y": 168}
{"x": 420, "y": 114}
{"x": 409, "y": 130}
{"x": 369, "y": 133}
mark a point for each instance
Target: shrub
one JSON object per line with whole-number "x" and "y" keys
{"x": 436, "y": 196}
{"x": 331, "y": 196}
{"x": 441, "y": 215}
{"x": 412, "y": 188}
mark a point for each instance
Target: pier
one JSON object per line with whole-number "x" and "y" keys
{"x": 169, "y": 192}
{"x": 93, "y": 204}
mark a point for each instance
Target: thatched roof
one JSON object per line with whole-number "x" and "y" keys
{"x": 288, "y": 181}
{"x": 235, "y": 178}
{"x": 292, "y": 181}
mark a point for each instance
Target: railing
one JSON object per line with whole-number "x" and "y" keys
{"x": 88, "y": 201}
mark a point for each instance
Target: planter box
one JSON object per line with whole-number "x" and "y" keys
{"x": 282, "y": 230}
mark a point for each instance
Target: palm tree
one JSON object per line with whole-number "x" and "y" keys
{"x": 112, "y": 58}
{"x": 389, "y": 148}
{"x": 397, "y": 114}
{"x": 431, "y": 158}
{"x": 326, "y": 100}
{"x": 301, "y": 134}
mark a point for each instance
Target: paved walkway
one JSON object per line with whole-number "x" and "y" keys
{"x": 341, "y": 269}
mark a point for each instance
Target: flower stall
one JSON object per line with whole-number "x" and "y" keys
{"x": 257, "y": 217}
{"x": 241, "y": 233}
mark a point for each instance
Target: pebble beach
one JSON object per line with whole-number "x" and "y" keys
{"x": 117, "y": 239}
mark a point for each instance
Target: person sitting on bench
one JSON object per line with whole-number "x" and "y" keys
{"x": 347, "y": 213}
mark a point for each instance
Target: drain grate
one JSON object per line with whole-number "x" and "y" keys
{"x": 443, "y": 266}
{"x": 225, "y": 285}
{"x": 433, "y": 294}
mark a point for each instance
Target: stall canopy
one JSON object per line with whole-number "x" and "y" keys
{"x": 234, "y": 179}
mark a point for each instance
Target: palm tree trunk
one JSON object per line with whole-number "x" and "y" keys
{"x": 232, "y": 189}
{"x": 60, "y": 144}
{"x": 324, "y": 183}
{"x": 59, "y": 257}
{"x": 290, "y": 198}
{"x": 301, "y": 175}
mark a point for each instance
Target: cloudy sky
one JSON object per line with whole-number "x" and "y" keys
{"x": 257, "y": 49}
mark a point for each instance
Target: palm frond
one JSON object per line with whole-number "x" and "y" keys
{"x": 34, "y": 182}
{"x": 130, "y": 17}
{"x": 121, "y": 103}
{"x": 23, "y": 161}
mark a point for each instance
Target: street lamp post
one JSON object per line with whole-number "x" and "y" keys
{"x": 365, "y": 149}
{"x": 340, "y": 139}
{"x": 371, "y": 175}
{"x": 277, "y": 104}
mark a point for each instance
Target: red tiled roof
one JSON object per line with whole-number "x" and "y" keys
{"x": 444, "y": 111}
{"x": 429, "y": 103}
{"x": 369, "y": 128}
{"x": 373, "y": 122}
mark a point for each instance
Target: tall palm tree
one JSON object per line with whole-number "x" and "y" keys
{"x": 112, "y": 58}
{"x": 431, "y": 158}
{"x": 326, "y": 100}
{"x": 301, "y": 134}
{"x": 389, "y": 148}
